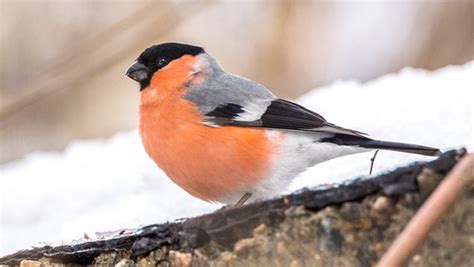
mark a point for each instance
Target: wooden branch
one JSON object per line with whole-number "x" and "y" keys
{"x": 439, "y": 203}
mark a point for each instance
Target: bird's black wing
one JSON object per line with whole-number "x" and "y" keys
{"x": 279, "y": 114}
{"x": 286, "y": 115}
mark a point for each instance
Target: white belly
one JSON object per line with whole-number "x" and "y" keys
{"x": 297, "y": 152}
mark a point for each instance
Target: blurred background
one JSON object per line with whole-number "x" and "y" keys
{"x": 63, "y": 62}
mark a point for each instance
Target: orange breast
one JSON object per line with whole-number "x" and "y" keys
{"x": 207, "y": 162}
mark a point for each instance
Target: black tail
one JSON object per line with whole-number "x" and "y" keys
{"x": 349, "y": 140}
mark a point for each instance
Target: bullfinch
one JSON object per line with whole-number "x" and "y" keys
{"x": 227, "y": 139}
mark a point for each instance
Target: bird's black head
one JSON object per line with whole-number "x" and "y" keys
{"x": 156, "y": 57}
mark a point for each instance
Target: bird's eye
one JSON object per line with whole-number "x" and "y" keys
{"x": 162, "y": 62}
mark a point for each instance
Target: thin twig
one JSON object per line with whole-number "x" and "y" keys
{"x": 242, "y": 200}
{"x": 372, "y": 160}
{"x": 440, "y": 202}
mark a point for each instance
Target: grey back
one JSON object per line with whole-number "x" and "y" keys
{"x": 221, "y": 88}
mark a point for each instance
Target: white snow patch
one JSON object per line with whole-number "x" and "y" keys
{"x": 414, "y": 106}
{"x": 102, "y": 185}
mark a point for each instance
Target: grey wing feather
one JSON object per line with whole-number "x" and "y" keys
{"x": 223, "y": 88}
{"x": 230, "y": 100}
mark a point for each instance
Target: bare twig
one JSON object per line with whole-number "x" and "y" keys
{"x": 242, "y": 200}
{"x": 372, "y": 160}
{"x": 430, "y": 213}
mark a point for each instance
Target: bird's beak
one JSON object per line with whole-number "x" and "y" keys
{"x": 138, "y": 72}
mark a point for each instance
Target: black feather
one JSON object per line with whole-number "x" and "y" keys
{"x": 365, "y": 142}
{"x": 158, "y": 56}
{"x": 227, "y": 111}
{"x": 281, "y": 110}
{"x": 280, "y": 114}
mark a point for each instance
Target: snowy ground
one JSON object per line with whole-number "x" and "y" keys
{"x": 101, "y": 185}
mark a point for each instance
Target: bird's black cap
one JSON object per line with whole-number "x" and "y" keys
{"x": 156, "y": 57}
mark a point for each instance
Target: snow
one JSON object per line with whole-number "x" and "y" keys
{"x": 101, "y": 185}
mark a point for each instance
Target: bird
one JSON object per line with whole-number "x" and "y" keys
{"x": 227, "y": 139}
